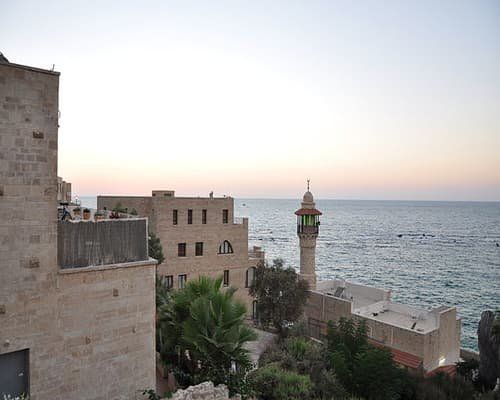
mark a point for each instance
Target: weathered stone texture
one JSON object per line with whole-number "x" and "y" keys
{"x": 203, "y": 391}
{"x": 159, "y": 209}
{"x": 84, "y": 342}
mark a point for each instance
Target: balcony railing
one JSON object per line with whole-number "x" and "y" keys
{"x": 86, "y": 243}
{"x": 311, "y": 229}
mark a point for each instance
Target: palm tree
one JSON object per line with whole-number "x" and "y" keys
{"x": 203, "y": 333}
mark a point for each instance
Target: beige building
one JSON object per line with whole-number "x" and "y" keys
{"x": 418, "y": 339}
{"x": 199, "y": 236}
{"x": 63, "y": 191}
{"x": 77, "y": 307}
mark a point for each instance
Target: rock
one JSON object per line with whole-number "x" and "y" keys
{"x": 489, "y": 350}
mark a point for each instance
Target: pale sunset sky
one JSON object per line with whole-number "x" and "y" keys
{"x": 368, "y": 99}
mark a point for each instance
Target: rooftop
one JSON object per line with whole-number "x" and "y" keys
{"x": 401, "y": 315}
{"x": 359, "y": 295}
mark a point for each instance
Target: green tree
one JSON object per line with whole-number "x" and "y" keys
{"x": 376, "y": 376}
{"x": 155, "y": 249}
{"x": 280, "y": 294}
{"x": 203, "y": 334}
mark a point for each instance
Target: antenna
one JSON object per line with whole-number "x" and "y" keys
{"x": 308, "y": 184}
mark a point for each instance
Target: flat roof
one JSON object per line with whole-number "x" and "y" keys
{"x": 400, "y": 315}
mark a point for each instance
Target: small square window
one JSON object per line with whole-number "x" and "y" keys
{"x": 190, "y": 217}
{"x": 181, "y": 249}
{"x": 174, "y": 217}
{"x": 225, "y": 216}
{"x": 203, "y": 216}
{"x": 226, "y": 277}
{"x": 182, "y": 281}
{"x": 199, "y": 249}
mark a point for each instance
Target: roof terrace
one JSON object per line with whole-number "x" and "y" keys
{"x": 401, "y": 316}
{"x": 358, "y": 295}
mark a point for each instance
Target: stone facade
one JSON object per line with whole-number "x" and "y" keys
{"x": 87, "y": 331}
{"x": 436, "y": 345}
{"x": 203, "y": 391}
{"x": 199, "y": 236}
{"x": 63, "y": 191}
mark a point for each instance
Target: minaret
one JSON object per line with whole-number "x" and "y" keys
{"x": 307, "y": 230}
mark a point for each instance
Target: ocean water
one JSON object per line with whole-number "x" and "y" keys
{"x": 428, "y": 253}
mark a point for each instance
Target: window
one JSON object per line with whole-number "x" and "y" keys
{"x": 203, "y": 216}
{"x": 250, "y": 278}
{"x": 174, "y": 217}
{"x": 181, "y": 249}
{"x": 225, "y": 248}
{"x": 225, "y": 216}
{"x": 199, "y": 249}
{"x": 169, "y": 281}
{"x": 182, "y": 281}
{"x": 190, "y": 217}
{"x": 226, "y": 277}
{"x": 254, "y": 309}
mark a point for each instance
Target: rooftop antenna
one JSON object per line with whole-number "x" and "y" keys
{"x": 308, "y": 184}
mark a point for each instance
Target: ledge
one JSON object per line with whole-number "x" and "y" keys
{"x": 34, "y": 69}
{"x": 107, "y": 267}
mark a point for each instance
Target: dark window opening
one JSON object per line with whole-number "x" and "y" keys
{"x": 225, "y": 216}
{"x": 250, "y": 277}
{"x": 181, "y": 249}
{"x": 190, "y": 217}
{"x": 199, "y": 249}
{"x": 14, "y": 374}
{"x": 174, "y": 217}
{"x": 225, "y": 248}
{"x": 203, "y": 216}
{"x": 226, "y": 277}
{"x": 169, "y": 281}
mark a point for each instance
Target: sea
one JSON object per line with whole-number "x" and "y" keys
{"x": 427, "y": 253}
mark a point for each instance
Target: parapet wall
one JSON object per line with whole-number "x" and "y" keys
{"x": 87, "y": 243}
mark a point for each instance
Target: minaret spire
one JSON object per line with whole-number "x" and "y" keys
{"x": 307, "y": 230}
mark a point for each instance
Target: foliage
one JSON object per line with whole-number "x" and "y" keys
{"x": 273, "y": 382}
{"x": 375, "y": 375}
{"x": 119, "y": 208}
{"x": 202, "y": 333}
{"x": 495, "y": 329}
{"x": 155, "y": 249}
{"x": 305, "y": 357}
{"x": 467, "y": 368}
{"x": 280, "y": 294}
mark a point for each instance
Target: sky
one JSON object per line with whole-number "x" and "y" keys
{"x": 368, "y": 99}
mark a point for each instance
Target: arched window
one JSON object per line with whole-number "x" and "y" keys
{"x": 250, "y": 276}
{"x": 225, "y": 248}
{"x": 254, "y": 309}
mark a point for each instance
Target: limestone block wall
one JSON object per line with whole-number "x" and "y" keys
{"x": 203, "y": 391}
{"x": 212, "y": 234}
{"x": 90, "y": 333}
{"x": 142, "y": 204}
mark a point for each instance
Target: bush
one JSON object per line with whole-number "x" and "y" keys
{"x": 271, "y": 382}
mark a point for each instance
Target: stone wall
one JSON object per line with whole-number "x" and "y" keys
{"x": 89, "y": 332}
{"x": 211, "y": 234}
{"x": 203, "y": 391}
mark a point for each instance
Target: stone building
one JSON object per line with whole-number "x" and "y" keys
{"x": 199, "y": 236}
{"x": 63, "y": 191}
{"x": 85, "y": 331}
{"x": 418, "y": 339}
